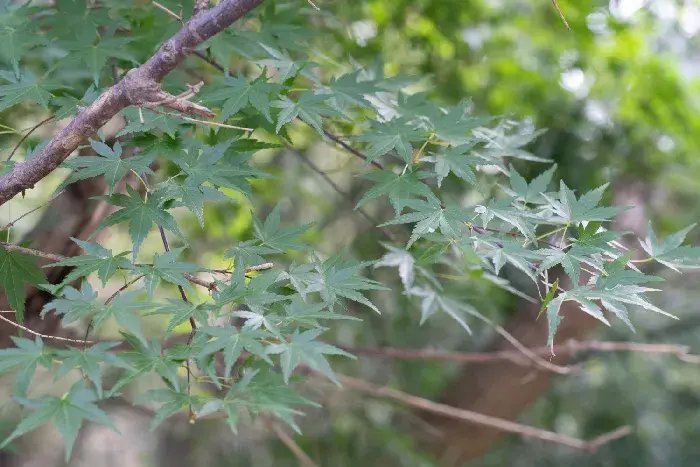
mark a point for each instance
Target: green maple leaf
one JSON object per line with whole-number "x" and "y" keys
{"x": 173, "y": 401}
{"x": 571, "y": 209}
{"x": 67, "y": 414}
{"x": 140, "y": 214}
{"x": 182, "y": 311}
{"x": 430, "y": 216}
{"x": 231, "y": 342}
{"x": 94, "y": 50}
{"x": 165, "y": 267}
{"x": 27, "y": 88}
{"x": 398, "y": 134}
{"x": 247, "y": 254}
{"x": 298, "y": 312}
{"x": 97, "y": 259}
{"x": 147, "y": 121}
{"x": 109, "y": 163}
{"x": 191, "y": 196}
{"x": 238, "y": 93}
{"x": 309, "y": 107}
{"x": 671, "y": 252}
{"x": 349, "y": 90}
{"x": 457, "y": 160}
{"x": 500, "y": 209}
{"x": 23, "y": 359}
{"x": 455, "y": 125}
{"x": 336, "y": 279}
{"x": 148, "y": 358}
{"x": 254, "y": 293}
{"x": 76, "y": 305}
{"x": 15, "y": 37}
{"x": 278, "y": 239}
{"x": 531, "y": 192}
{"x": 16, "y": 270}
{"x": 399, "y": 187}
{"x": 89, "y": 361}
{"x": 201, "y": 163}
{"x": 280, "y": 60}
{"x": 229, "y": 43}
{"x": 302, "y": 348}
{"x": 68, "y": 105}
{"x": 258, "y": 392}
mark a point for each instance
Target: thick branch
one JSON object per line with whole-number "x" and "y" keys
{"x": 140, "y": 86}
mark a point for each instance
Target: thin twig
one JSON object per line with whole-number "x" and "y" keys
{"x": 460, "y": 414}
{"x": 44, "y": 336}
{"x": 339, "y": 190}
{"x": 350, "y": 149}
{"x": 561, "y": 14}
{"x": 203, "y": 122}
{"x": 562, "y": 370}
{"x": 168, "y": 11}
{"x": 304, "y": 459}
{"x": 28, "y": 134}
{"x": 11, "y": 224}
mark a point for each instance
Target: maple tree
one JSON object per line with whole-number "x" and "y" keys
{"x": 266, "y": 315}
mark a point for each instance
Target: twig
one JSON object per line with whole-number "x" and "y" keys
{"x": 460, "y": 414}
{"x": 203, "y": 122}
{"x": 339, "y": 190}
{"x": 562, "y": 370}
{"x": 168, "y": 11}
{"x": 11, "y": 224}
{"x": 28, "y": 134}
{"x": 350, "y": 149}
{"x": 570, "y": 347}
{"x": 31, "y": 252}
{"x": 561, "y": 14}
{"x": 45, "y": 336}
{"x": 304, "y": 459}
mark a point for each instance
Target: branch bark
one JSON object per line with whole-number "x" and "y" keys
{"x": 140, "y": 87}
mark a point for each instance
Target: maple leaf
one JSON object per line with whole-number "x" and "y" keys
{"x": 309, "y": 107}
{"x": 302, "y": 348}
{"x": 399, "y": 187}
{"x": 165, "y": 267}
{"x": 97, "y": 259}
{"x": 140, "y": 213}
{"x": 67, "y": 414}
{"x": 238, "y": 93}
{"x": 398, "y": 134}
{"x": 108, "y": 162}
{"x": 16, "y": 270}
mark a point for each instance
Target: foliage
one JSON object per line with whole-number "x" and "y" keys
{"x": 273, "y": 320}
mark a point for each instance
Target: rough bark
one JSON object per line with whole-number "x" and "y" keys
{"x": 504, "y": 389}
{"x": 140, "y": 87}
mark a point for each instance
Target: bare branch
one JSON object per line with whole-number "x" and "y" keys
{"x": 31, "y": 130}
{"x": 44, "y": 336}
{"x": 570, "y": 347}
{"x": 481, "y": 419}
{"x": 138, "y": 87}
{"x": 304, "y": 459}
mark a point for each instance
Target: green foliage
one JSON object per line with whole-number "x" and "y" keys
{"x": 268, "y": 324}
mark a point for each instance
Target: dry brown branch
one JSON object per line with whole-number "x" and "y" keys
{"x": 524, "y": 431}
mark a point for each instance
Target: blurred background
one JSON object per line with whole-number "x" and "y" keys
{"x": 619, "y": 96}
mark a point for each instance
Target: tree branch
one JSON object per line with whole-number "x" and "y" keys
{"x": 140, "y": 86}
{"x": 570, "y": 347}
{"x": 466, "y": 415}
